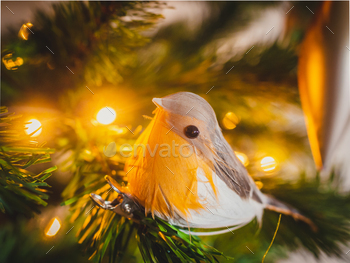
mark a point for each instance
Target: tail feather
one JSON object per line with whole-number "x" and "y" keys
{"x": 280, "y": 207}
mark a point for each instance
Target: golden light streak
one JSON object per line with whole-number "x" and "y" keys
{"x": 106, "y": 115}
{"x": 24, "y": 31}
{"x": 32, "y": 126}
{"x": 55, "y": 226}
{"x": 268, "y": 164}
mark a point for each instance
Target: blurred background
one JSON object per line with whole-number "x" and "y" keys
{"x": 82, "y": 74}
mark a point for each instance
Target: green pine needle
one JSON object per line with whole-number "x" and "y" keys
{"x": 21, "y": 190}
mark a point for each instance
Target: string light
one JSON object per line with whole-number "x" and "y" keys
{"x": 243, "y": 158}
{"x": 106, "y": 115}
{"x": 32, "y": 126}
{"x": 268, "y": 164}
{"x": 54, "y": 227}
{"x": 230, "y": 121}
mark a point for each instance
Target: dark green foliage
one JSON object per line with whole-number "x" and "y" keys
{"x": 159, "y": 241}
{"x": 106, "y": 233}
{"x": 324, "y": 204}
{"x": 21, "y": 190}
{"x": 20, "y": 243}
{"x": 96, "y": 40}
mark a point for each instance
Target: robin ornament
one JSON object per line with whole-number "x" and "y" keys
{"x": 185, "y": 172}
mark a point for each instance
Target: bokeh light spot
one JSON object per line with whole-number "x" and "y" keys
{"x": 230, "y": 121}
{"x": 32, "y": 126}
{"x": 55, "y": 225}
{"x": 243, "y": 158}
{"x": 106, "y": 115}
{"x": 268, "y": 164}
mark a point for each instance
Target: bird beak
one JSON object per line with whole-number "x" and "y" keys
{"x": 158, "y": 102}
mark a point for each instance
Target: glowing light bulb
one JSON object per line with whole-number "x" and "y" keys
{"x": 243, "y": 158}
{"x": 106, "y": 115}
{"x": 55, "y": 225}
{"x": 32, "y": 126}
{"x": 230, "y": 121}
{"x": 268, "y": 163}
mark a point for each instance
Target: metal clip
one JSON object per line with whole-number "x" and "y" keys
{"x": 123, "y": 205}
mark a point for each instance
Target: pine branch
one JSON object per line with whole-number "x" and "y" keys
{"x": 95, "y": 40}
{"x": 157, "y": 240}
{"x": 21, "y": 190}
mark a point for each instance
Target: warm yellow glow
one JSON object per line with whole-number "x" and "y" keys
{"x": 32, "y": 126}
{"x": 230, "y": 121}
{"x": 10, "y": 64}
{"x": 54, "y": 227}
{"x": 24, "y": 31}
{"x": 268, "y": 163}
{"x": 259, "y": 184}
{"x": 119, "y": 130}
{"x": 243, "y": 158}
{"x": 106, "y": 115}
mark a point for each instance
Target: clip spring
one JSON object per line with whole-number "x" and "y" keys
{"x": 123, "y": 205}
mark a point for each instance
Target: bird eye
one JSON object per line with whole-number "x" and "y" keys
{"x": 191, "y": 131}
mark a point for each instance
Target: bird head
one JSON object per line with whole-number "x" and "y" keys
{"x": 192, "y": 118}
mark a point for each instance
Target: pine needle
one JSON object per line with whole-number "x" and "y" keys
{"x": 273, "y": 239}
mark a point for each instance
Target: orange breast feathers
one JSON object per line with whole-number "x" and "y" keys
{"x": 163, "y": 175}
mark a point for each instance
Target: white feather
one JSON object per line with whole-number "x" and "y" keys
{"x": 227, "y": 211}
